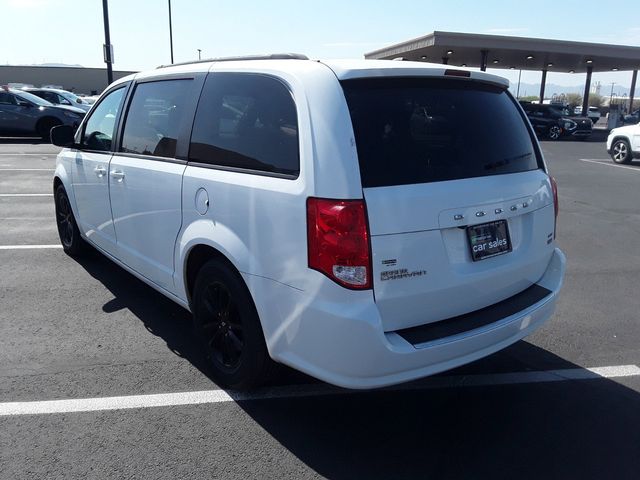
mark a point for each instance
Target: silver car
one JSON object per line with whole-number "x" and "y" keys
{"x": 23, "y": 113}
{"x": 60, "y": 97}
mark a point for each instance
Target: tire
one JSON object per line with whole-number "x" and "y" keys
{"x": 70, "y": 238}
{"x": 621, "y": 151}
{"x": 44, "y": 127}
{"x": 227, "y": 324}
{"x": 554, "y": 132}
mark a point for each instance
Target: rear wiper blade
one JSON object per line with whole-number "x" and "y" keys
{"x": 505, "y": 161}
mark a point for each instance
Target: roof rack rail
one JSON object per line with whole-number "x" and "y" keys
{"x": 273, "y": 56}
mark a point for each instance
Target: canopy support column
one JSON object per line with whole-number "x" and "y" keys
{"x": 634, "y": 77}
{"x": 543, "y": 84}
{"x": 484, "y": 55}
{"x": 587, "y": 89}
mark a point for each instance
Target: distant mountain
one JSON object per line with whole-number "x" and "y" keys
{"x": 75, "y": 65}
{"x": 553, "y": 89}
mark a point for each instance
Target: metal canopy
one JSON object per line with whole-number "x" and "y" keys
{"x": 513, "y": 52}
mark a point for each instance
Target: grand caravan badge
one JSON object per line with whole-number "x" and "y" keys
{"x": 400, "y": 273}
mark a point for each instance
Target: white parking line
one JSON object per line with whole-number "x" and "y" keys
{"x": 609, "y": 163}
{"x": 26, "y": 194}
{"x": 27, "y": 247}
{"x": 294, "y": 391}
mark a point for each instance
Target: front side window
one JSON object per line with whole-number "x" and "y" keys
{"x": 154, "y": 118}
{"x": 416, "y": 130}
{"x": 246, "y": 121}
{"x": 100, "y": 126}
{"x": 48, "y": 96}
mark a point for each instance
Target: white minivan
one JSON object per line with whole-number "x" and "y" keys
{"x": 365, "y": 222}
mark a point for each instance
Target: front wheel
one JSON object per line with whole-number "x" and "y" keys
{"x": 554, "y": 132}
{"x": 227, "y": 324}
{"x": 621, "y": 151}
{"x": 72, "y": 242}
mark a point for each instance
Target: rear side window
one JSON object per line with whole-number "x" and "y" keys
{"x": 154, "y": 118}
{"x": 413, "y": 130}
{"x": 246, "y": 121}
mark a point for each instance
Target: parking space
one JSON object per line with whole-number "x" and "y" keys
{"x": 85, "y": 329}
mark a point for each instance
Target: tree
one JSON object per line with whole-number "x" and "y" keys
{"x": 596, "y": 100}
{"x": 529, "y": 98}
{"x": 573, "y": 99}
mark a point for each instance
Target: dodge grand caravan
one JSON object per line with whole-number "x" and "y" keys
{"x": 336, "y": 217}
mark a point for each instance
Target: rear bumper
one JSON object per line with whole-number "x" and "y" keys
{"x": 344, "y": 343}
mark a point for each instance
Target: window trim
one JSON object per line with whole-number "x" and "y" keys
{"x": 184, "y": 131}
{"x": 248, "y": 171}
{"x": 81, "y": 130}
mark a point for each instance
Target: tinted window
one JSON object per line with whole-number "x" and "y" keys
{"x": 61, "y": 100}
{"x": 28, "y": 97}
{"x": 100, "y": 126}
{"x": 154, "y": 118}
{"x": 7, "y": 99}
{"x": 246, "y": 121}
{"x": 428, "y": 130}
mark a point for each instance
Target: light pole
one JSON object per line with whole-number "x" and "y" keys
{"x": 519, "y": 77}
{"x": 611, "y": 96}
{"x": 199, "y": 56}
{"x": 170, "y": 32}
{"x": 108, "y": 48}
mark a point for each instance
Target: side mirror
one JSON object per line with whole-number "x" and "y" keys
{"x": 62, "y": 136}
{"x": 79, "y": 100}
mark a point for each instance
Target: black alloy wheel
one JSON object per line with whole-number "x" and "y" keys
{"x": 222, "y": 327}
{"x": 72, "y": 242}
{"x": 227, "y": 324}
{"x": 554, "y": 132}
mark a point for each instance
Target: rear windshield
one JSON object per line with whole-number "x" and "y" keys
{"x": 415, "y": 130}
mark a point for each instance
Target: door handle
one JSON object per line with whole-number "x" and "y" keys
{"x": 118, "y": 175}
{"x": 100, "y": 171}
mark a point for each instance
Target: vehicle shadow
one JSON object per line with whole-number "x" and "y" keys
{"x": 586, "y": 429}
{"x": 160, "y": 316}
{"x": 23, "y": 141}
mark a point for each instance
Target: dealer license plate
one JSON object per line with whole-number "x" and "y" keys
{"x": 489, "y": 239}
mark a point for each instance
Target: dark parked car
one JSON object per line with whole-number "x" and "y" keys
{"x": 632, "y": 118}
{"x": 23, "y": 113}
{"x": 555, "y": 121}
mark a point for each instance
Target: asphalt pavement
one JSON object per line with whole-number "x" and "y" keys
{"x": 563, "y": 404}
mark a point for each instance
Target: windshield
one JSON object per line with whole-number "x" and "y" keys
{"x": 412, "y": 130}
{"x": 72, "y": 97}
{"x": 564, "y": 111}
{"x": 29, "y": 97}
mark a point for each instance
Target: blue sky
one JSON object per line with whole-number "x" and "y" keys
{"x": 71, "y": 31}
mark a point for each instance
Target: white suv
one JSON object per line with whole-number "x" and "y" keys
{"x": 623, "y": 143}
{"x": 365, "y": 222}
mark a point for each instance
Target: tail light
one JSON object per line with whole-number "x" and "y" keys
{"x": 338, "y": 241}
{"x": 554, "y": 188}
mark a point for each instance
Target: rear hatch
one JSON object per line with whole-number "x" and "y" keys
{"x": 460, "y": 209}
